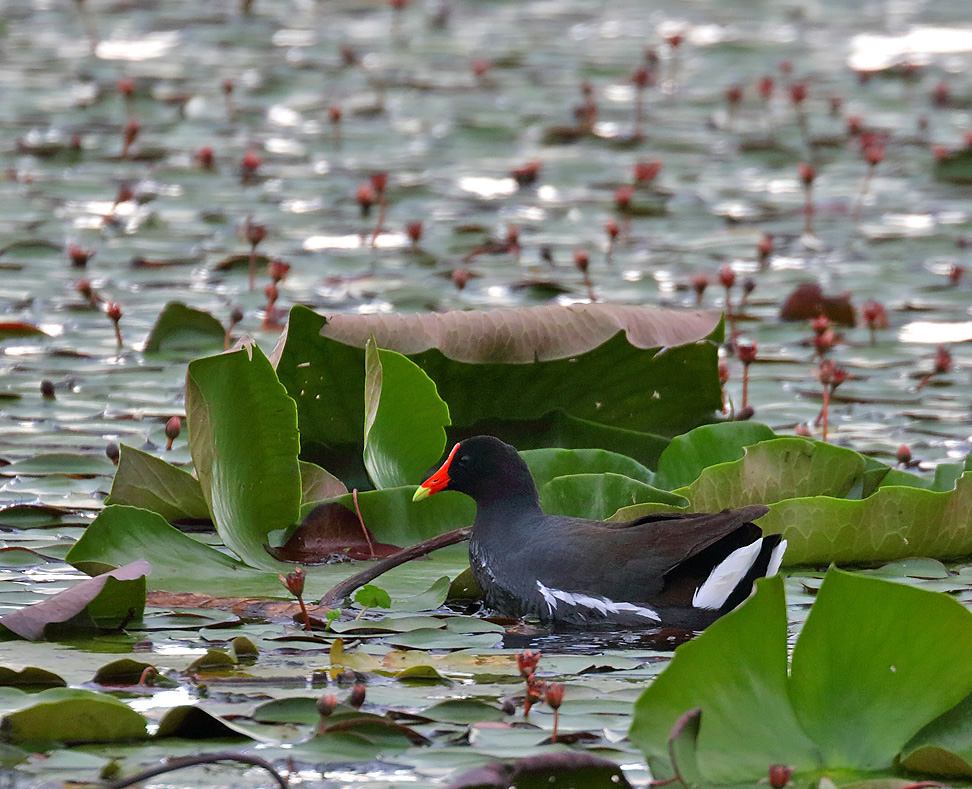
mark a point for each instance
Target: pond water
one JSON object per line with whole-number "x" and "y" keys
{"x": 450, "y": 99}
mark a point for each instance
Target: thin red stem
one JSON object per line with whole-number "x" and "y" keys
{"x": 364, "y": 530}
{"x": 381, "y": 219}
{"x": 303, "y": 611}
{"x": 745, "y": 391}
{"x": 826, "y": 410}
{"x": 253, "y": 266}
{"x": 553, "y": 736}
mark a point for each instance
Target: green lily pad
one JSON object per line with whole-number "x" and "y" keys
{"x": 546, "y": 464}
{"x": 689, "y": 454}
{"x": 244, "y": 444}
{"x": 600, "y": 495}
{"x": 143, "y": 480}
{"x": 944, "y": 746}
{"x": 30, "y": 677}
{"x": 405, "y": 420}
{"x": 69, "y": 715}
{"x": 61, "y": 464}
{"x": 861, "y": 684}
{"x": 180, "y": 328}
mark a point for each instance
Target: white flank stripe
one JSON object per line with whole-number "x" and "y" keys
{"x": 776, "y": 559}
{"x": 602, "y": 605}
{"x": 726, "y": 576}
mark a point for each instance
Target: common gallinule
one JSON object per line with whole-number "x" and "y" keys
{"x": 671, "y": 569}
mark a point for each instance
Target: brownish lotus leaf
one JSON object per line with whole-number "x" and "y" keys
{"x": 19, "y": 329}
{"x": 525, "y": 335}
{"x": 29, "y": 622}
{"x": 807, "y": 301}
{"x": 330, "y": 533}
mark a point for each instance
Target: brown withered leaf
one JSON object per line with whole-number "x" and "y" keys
{"x": 523, "y": 335}
{"x": 330, "y": 533}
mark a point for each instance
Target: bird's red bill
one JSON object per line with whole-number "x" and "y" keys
{"x": 437, "y": 481}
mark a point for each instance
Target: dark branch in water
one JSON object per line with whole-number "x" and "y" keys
{"x": 337, "y": 593}
{"x": 172, "y": 765}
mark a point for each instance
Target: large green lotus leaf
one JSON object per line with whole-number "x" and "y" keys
{"x": 179, "y": 327}
{"x": 599, "y": 495}
{"x": 643, "y": 369}
{"x": 143, "y": 480}
{"x": 944, "y": 746}
{"x": 244, "y": 444}
{"x": 393, "y": 517}
{"x": 688, "y": 455}
{"x": 875, "y": 662}
{"x": 736, "y": 673}
{"x": 945, "y": 479}
{"x": 545, "y": 464}
{"x": 106, "y": 601}
{"x": 70, "y": 715}
{"x": 405, "y": 419}
{"x": 893, "y": 523}
{"x": 771, "y": 471}
{"x": 179, "y": 563}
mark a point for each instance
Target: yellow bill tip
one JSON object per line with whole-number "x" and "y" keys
{"x": 421, "y": 493}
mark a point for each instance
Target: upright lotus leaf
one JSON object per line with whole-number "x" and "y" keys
{"x": 545, "y": 464}
{"x": 954, "y": 167}
{"x": 736, "y": 673}
{"x": 179, "y": 328}
{"x": 782, "y": 468}
{"x": 405, "y": 420}
{"x": 689, "y": 454}
{"x": 179, "y": 563}
{"x": 316, "y": 484}
{"x": 639, "y": 368}
{"x": 599, "y": 495}
{"x": 893, "y": 523}
{"x": 106, "y": 601}
{"x": 944, "y": 746}
{"x": 875, "y": 662}
{"x": 244, "y": 444}
{"x": 393, "y": 517}
{"x": 143, "y": 480}
{"x": 70, "y": 715}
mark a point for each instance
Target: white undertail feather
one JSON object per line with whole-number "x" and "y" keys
{"x": 725, "y": 577}
{"x": 776, "y": 559}
{"x": 602, "y": 605}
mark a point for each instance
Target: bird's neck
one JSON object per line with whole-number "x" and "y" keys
{"x": 513, "y": 510}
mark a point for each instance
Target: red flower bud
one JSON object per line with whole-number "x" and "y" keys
{"x": 622, "y": 197}
{"x": 250, "y": 163}
{"x": 807, "y": 174}
{"x": 746, "y": 352}
{"x": 204, "y": 158}
{"x": 874, "y": 155}
{"x": 820, "y": 324}
{"x": 460, "y": 278}
{"x": 379, "y": 181}
{"x": 798, "y": 92}
{"x": 764, "y": 249}
{"x": 113, "y": 311}
{"x": 357, "y": 697}
{"x": 527, "y": 174}
{"x": 904, "y": 455}
{"x": 941, "y": 95}
{"x": 479, "y": 67}
{"x": 79, "y": 257}
{"x": 645, "y": 172}
{"x": 642, "y": 78}
{"x": 612, "y": 228}
{"x": 764, "y": 86}
{"x": 734, "y": 94}
{"x": 674, "y": 40}
{"x": 326, "y": 705}
{"x": 555, "y": 695}
{"x": 414, "y": 231}
{"x": 294, "y": 582}
{"x": 254, "y": 233}
{"x": 943, "y": 360}
{"x": 874, "y": 315}
{"x": 699, "y": 283}
{"x": 727, "y": 277}
{"x": 334, "y": 114}
{"x": 173, "y": 427}
{"x": 527, "y": 661}
{"x": 779, "y": 775}
{"x": 581, "y": 259}
{"x": 126, "y": 86}
{"x": 278, "y": 270}
{"x": 366, "y": 198}
{"x": 955, "y": 273}
{"x": 854, "y": 125}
